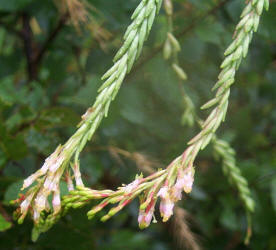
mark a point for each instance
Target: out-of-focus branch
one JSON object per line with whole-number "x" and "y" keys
{"x": 51, "y": 38}
{"x": 27, "y": 37}
{"x": 183, "y": 236}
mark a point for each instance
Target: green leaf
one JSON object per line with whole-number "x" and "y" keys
{"x": 57, "y": 117}
{"x": 7, "y": 91}
{"x": 273, "y": 193}
{"x": 4, "y": 224}
{"x": 13, "y": 5}
{"x": 13, "y": 146}
{"x": 210, "y": 32}
{"x": 13, "y": 191}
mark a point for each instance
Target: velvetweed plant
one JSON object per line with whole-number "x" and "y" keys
{"x": 167, "y": 184}
{"x": 221, "y": 148}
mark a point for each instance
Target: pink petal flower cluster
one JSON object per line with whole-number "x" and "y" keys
{"x": 145, "y": 217}
{"x": 166, "y": 204}
{"x": 37, "y": 196}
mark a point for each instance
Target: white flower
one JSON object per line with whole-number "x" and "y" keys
{"x": 36, "y": 215}
{"x": 24, "y": 206}
{"x": 28, "y": 182}
{"x": 40, "y": 202}
{"x": 55, "y": 163}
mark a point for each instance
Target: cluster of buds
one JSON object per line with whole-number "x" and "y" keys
{"x": 46, "y": 182}
{"x": 170, "y": 195}
{"x": 167, "y": 185}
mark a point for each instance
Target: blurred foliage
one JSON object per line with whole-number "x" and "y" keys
{"x": 49, "y": 75}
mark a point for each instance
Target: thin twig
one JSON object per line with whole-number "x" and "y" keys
{"x": 51, "y": 37}
{"x": 27, "y": 36}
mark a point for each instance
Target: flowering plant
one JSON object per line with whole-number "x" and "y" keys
{"x": 42, "y": 200}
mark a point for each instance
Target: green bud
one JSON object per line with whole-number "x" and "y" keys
{"x": 150, "y": 7}
{"x": 245, "y": 46}
{"x": 105, "y": 218}
{"x": 132, "y": 53}
{"x": 246, "y": 10}
{"x": 140, "y": 17}
{"x": 168, "y": 7}
{"x": 174, "y": 42}
{"x": 266, "y": 4}
{"x": 143, "y": 206}
{"x": 237, "y": 54}
{"x": 256, "y": 22}
{"x": 179, "y": 71}
{"x": 167, "y": 50}
{"x": 250, "y": 204}
{"x": 210, "y": 103}
{"x": 137, "y": 10}
{"x": 259, "y": 7}
{"x": 230, "y": 49}
{"x": 248, "y": 24}
{"x": 142, "y": 37}
{"x": 226, "y": 61}
{"x": 151, "y": 19}
{"x": 110, "y": 71}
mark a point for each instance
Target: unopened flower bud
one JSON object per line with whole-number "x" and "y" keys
{"x": 56, "y": 201}
{"x": 24, "y": 206}
{"x": 40, "y": 202}
{"x": 188, "y": 179}
{"x": 166, "y": 209}
{"x": 145, "y": 218}
{"x": 163, "y": 192}
{"x": 36, "y": 216}
{"x": 77, "y": 174}
{"x": 168, "y": 7}
{"x": 130, "y": 187}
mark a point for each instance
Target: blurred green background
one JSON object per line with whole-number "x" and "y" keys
{"x": 50, "y": 68}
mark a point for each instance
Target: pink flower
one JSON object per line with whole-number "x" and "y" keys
{"x": 77, "y": 175}
{"x": 185, "y": 179}
{"x": 69, "y": 181}
{"x": 145, "y": 218}
{"x": 176, "y": 193}
{"x": 166, "y": 209}
{"x": 163, "y": 192}
{"x": 180, "y": 182}
{"x": 188, "y": 179}
{"x": 56, "y": 201}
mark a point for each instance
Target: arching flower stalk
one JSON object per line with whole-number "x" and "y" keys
{"x": 165, "y": 184}
{"x": 47, "y": 178}
{"x": 222, "y": 149}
